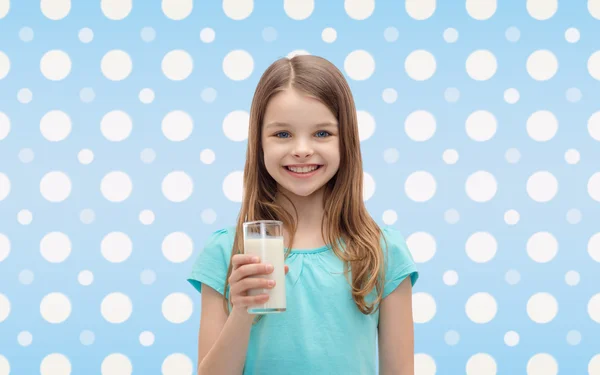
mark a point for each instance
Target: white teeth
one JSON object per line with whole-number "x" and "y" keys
{"x": 302, "y": 169}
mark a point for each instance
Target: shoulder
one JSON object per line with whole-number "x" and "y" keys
{"x": 392, "y": 238}
{"x": 221, "y": 237}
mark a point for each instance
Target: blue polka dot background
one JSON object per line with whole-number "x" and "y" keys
{"x": 123, "y": 129}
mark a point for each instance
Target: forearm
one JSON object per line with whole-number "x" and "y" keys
{"x": 228, "y": 354}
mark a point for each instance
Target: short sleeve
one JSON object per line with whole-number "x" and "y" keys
{"x": 399, "y": 261}
{"x": 210, "y": 266}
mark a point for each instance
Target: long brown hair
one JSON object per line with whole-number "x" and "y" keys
{"x": 346, "y": 216}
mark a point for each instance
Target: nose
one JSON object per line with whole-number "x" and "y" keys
{"x": 302, "y": 149}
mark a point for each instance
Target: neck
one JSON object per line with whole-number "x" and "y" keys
{"x": 310, "y": 210}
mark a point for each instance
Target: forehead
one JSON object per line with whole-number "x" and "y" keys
{"x": 295, "y": 108}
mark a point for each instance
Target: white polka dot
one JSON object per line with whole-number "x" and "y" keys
{"x": 55, "y": 126}
{"x": 450, "y": 156}
{"x": 177, "y": 186}
{"x": 4, "y": 307}
{"x": 207, "y": 35}
{"x": 116, "y": 65}
{"x": 511, "y": 217}
{"x": 55, "y": 247}
{"x": 359, "y": 65}
{"x": 147, "y": 338}
{"x": 481, "y": 65}
{"x": 209, "y": 216}
{"x": 177, "y": 65}
{"x": 542, "y": 10}
{"x": 481, "y": 247}
{"x": 366, "y": 125}
{"x": 511, "y": 338}
{"x": 235, "y": 125}
{"x": 593, "y": 125}
{"x": 420, "y": 65}
{"x": 4, "y": 126}
{"x": 593, "y": 247}
{"x": 542, "y": 247}
{"x": 389, "y": 95}
{"x": 511, "y": 96}
{"x": 542, "y": 186}
{"x": 55, "y": 364}
{"x": 85, "y": 156}
{"x": 572, "y": 278}
{"x": 593, "y": 308}
{"x": 450, "y": 278}
{"x": 593, "y": 187}
{"x": 177, "y": 364}
{"x": 329, "y": 35}
{"x": 422, "y": 246}
{"x": 238, "y": 65}
{"x": 424, "y": 364}
{"x": 298, "y": 52}
{"x": 177, "y": 10}
{"x": 359, "y": 9}
{"x": 542, "y": 65}
{"x": 481, "y": 363}
{"x": 542, "y": 126}
{"x": 481, "y": 9}
{"x": 481, "y": 125}
{"x": 481, "y": 307}
{"x": 420, "y": 186}
{"x": 481, "y": 186}
{"x": 177, "y": 308}
{"x": 368, "y": 186}
{"x": 24, "y": 96}
{"x": 233, "y": 187}
{"x": 24, "y": 339}
{"x": 593, "y": 8}
{"x": 24, "y": 217}
{"x": 207, "y": 156}
{"x": 116, "y": 10}
{"x": 116, "y": 307}
{"x": 55, "y": 186}
{"x": 542, "y": 364}
{"x": 85, "y": 277}
{"x": 55, "y": 308}
{"x": 572, "y": 35}
{"x": 542, "y": 308}
{"x": 424, "y": 307}
{"x": 299, "y": 9}
{"x": 116, "y": 126}
{"x": 147, "y": 217}
{"x": 4, "y": 9}
{"x": 420, "y": 125}
{"x": 238, "y": 9}
{"x": 116, "y": 247}
{"x": 55, "y": 9}
{"x": 4, "y": 247}
{"x": 420, "y": 10}
{"x": 594, "y": 364}
{"x": 146, "y": 96}
{"x": 450, "y": 35}
{"x": 116, "y": 364}
{"x": 86, "y": 35}
{"x": 177, "y": 247}
{"x": 4, "y": 186}
{"x": 116, "y": 186}
{"x": 389, "y": 217}
{"x": 177, "y": 126}
{"x": 55, "y": 65}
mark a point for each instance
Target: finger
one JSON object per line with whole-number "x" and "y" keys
{"x": 240, "y": 259}
{"x": 250, "y": 270}
{"x": 251, "y": 300}
{"x": 287, "y": 269}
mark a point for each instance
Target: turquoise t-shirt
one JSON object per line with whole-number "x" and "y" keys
{"x": 322, "y": 330}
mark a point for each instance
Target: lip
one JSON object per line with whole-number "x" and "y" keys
{"x": 302, "y": 175}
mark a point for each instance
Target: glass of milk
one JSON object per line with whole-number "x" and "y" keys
{"x": 264, "y": 239}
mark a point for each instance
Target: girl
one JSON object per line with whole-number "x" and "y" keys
{"x": 348, "y": 282}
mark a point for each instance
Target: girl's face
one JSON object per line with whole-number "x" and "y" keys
{"x": 300, "y": 139}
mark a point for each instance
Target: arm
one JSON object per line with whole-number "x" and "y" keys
{"x": 222, "y": 340}
{"x": 396, "y": 332}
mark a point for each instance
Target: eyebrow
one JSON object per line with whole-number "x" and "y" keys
{"x": 277, "y": 124}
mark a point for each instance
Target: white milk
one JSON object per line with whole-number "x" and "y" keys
{"x": 270, "y": 251}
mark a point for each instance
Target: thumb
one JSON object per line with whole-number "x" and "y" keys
{"x": 286, "y": 269}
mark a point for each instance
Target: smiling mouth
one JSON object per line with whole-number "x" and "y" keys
{"x": 303, "y": 170}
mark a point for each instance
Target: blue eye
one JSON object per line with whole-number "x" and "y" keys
{"x": 323, "y": 134}
{"x": 279, "y": 135}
